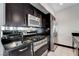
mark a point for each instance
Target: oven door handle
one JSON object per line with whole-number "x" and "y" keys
{"x": 23, "y": 49}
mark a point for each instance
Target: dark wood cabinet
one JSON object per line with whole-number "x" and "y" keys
{"x": 46, "y": 20}
{"x": 8, "y": 15}
{"x": 43, "y": 21}
{"x": 15, "y": 14}
{"x": 28, "y": 9}
{"x": 38, "y": 13}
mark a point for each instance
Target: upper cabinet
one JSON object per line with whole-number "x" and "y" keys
{"x": 17, "y": 14}
{"x": 46, "y": 20}
{"x": 28, "y": 9}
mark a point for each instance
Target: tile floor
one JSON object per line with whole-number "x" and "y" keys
{"x": 61, "y": 51}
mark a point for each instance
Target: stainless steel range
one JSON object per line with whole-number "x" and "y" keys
{"x": 40, "y": 44}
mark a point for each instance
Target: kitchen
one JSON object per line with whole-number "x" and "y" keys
{"x": 39, "y": 29}
{"x": 26, "y": 31}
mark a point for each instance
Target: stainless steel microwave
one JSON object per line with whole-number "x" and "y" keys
{"x": 34, "y": 21}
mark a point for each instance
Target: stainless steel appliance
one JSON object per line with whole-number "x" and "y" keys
{"x": 53, "y": 33}
{"x": 34, "y": 21}
{"x": 40, "y": 46}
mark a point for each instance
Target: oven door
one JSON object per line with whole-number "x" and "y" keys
{"x": 23, "y": 51}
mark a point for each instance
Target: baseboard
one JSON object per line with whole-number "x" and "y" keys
{"x": 64, "y": 45}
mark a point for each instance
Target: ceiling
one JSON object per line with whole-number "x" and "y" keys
{"x": 40, "y": 7}
{"x": 57, "y": 7}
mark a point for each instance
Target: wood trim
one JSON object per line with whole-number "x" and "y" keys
{"x": 64, "y": 45}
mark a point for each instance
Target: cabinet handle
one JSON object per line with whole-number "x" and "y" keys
{"x": 23, "y": 49}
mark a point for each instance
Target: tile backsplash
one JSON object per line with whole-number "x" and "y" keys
{"x": 17, "y": 28}
{"x": 24, "y": 29}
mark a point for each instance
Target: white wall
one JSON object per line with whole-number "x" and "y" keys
{"x": 68, "y": 22}
{"x": 2, "y": 22}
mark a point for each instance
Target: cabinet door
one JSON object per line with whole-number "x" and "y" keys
{"x": 43, "y": 21}
{"x": 47, "y": 17}
{"x": 8, "y": 14}
{"x": 28, "y": 9}
{"x": 15, "y": 12}
{"x": 37, "y": 13}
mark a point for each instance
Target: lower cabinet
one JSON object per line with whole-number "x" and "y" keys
{"x": 15, "y": 14}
